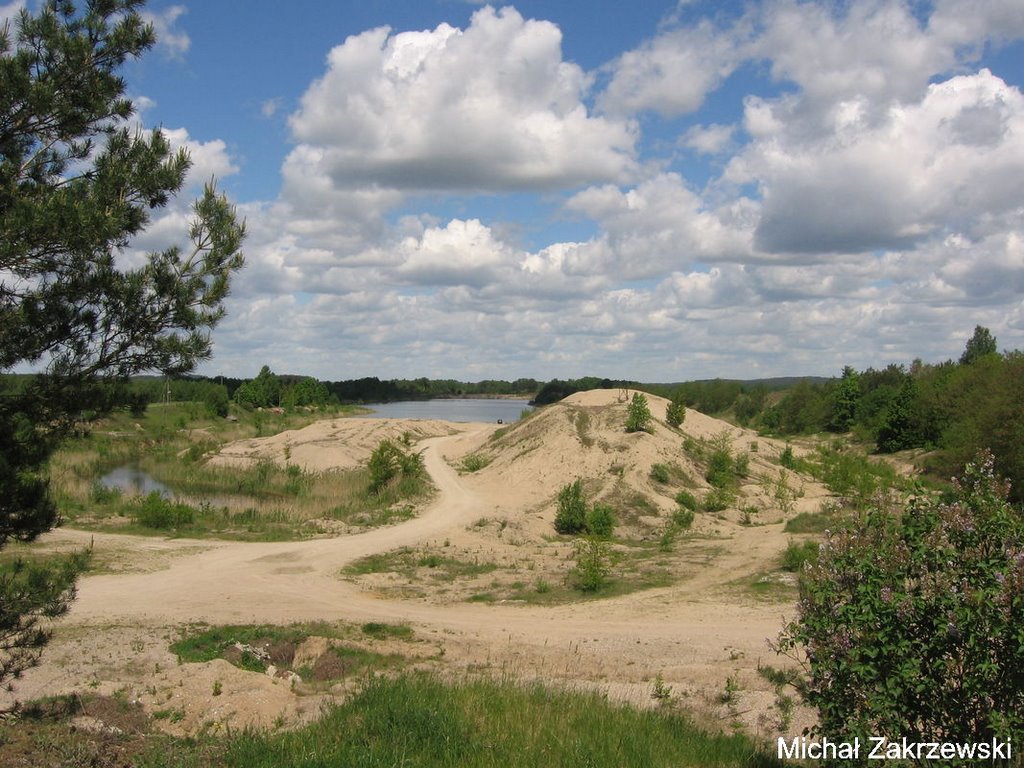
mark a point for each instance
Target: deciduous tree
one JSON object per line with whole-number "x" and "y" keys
{"x": 981, "y": 343}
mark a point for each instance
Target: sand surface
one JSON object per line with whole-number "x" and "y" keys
{"x": 695, "y": 634}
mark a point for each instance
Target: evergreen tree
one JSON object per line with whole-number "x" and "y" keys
{"x": 842, "y": 401}
{"x": 76, "y": 185}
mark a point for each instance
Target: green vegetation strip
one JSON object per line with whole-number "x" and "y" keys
{"x": 418, "y": 720}
{"x": 406, "y": 561}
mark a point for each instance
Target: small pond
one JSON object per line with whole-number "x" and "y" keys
{"x": 131, "y": 480}
{"x": 454, "y": 409}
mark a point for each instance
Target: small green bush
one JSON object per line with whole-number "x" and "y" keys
{"x": 787, "y": 459}
{"x": 686, "y": 500}
{"x": 696, "y": 449}
{"x": 601, "y": 521}
{"x": 660, "y": 473}
{"x": 675, "y": 413}
{"x": 389, "y": 462}
{"x": 682, "y": 518}
{"x": 720, "y": 469}
{"x": 741, "y": 464}
{"x": 104, "y": 494}
{"x": 571, "y": 516}
{"x": 718, "y": 499}
{"x": 593, "y": 565}
{"x": 154, "y": 511}
{"x": 638, "y": 415}
{"x": 474, "y": 462}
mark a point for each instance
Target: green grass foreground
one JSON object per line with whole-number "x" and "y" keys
{"x": 418, "y": 720}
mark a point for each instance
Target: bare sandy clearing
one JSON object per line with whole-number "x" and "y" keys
{"x": 327, "y": 445}
{"x": 705, "y": 627}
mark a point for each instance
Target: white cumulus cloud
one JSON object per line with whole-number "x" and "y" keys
{"x": 491, "y": 107}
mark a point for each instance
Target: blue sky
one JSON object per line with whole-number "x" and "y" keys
{"x": 656, "y": 191}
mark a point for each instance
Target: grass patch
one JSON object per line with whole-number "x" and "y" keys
{"x": 630, "y": 505}
{"x": 670, "y": 474}
{"x": 581, "y": 420}
{"x": 418, "y": 720}
{"x": 813, "y": 522}
{"x": 416, "y": 564}
{"x": 207, "y": 644}
{"x": 631, "y": 567}
{"x": 771, "y": 586}
{"x": 846, "y": 472}
{"x": 797, "y": 554}
{"x": 155, "y": 515}
{"x": 253, "y": 647}
{"x": 381, "y": 631}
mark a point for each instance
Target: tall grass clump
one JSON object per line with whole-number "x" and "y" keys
{"x": 474, "y": 462}
{"x": 660, "y": 473}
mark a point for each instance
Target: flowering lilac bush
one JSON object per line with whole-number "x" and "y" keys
{"x": 911, "y": 624}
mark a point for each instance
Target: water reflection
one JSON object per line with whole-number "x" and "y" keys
{"x": 455, "y": 409}
{"x": 132, "y": 480}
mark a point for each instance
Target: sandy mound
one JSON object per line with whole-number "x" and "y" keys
{"x": 328, "y": 445}
{"x": 583, "y": 436}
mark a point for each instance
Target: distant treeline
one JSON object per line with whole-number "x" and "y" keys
{"x": 953, "y": 409}
{"x": 557, "y": 389}
{"x": 373, "y": 390}
{"x": 269, "y": 389}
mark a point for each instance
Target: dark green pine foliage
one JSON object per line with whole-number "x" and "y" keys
{"x": 77, "y": 184}
{"x": 842, "y": 401}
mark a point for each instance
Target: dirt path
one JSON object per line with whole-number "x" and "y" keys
{"x": 270, "y": 582}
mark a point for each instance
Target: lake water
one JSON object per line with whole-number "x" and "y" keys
{"x": 465, "y": 409}
{"x": 132, "y": 480}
